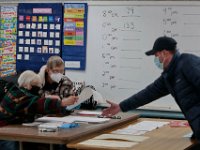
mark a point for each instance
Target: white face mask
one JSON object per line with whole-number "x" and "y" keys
{"x": 158, "y": 63}
{"x": 56, "y": 77}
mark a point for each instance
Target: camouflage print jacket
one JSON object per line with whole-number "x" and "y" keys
{"x": 65, "y": 88}
{"x": 18, "y": 105}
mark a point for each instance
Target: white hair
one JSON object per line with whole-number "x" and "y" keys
{"x": 27, "y": 77}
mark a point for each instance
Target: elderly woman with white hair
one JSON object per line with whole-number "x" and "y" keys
{"x": 31, "y": 81}
{"x": 21, "y": 103}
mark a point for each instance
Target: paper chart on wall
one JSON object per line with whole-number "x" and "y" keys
{"x": 74, "y": 24}
{"x": 8, "y": 25}
{"x": 36, "y": 30}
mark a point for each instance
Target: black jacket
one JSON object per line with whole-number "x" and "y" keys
{"x": 181, "y": 79}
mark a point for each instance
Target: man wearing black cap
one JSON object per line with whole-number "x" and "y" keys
{"x": 180, "y": 78}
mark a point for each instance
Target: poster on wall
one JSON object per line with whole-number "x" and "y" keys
{"x": 8, "y": 30}
{"x": 39, "y": 34}
{"x": 74, "y": 35}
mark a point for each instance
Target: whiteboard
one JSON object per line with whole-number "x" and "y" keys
{"x": 120, "y": 34}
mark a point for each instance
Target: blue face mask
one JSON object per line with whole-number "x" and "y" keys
{"x": 158, "y": 63}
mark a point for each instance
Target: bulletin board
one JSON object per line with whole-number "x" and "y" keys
{"x": 74, "y": 36}
{"x": 39, "y": 34}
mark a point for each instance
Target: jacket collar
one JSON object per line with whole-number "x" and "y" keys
{"x": 172, "y": 65}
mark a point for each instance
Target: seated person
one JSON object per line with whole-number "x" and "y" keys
{"x": 50, "y": 73}
{"x": 56, "y": 84}
{"x": 21, "y": 103}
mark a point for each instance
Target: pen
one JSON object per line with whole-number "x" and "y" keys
{"x": 47, "y": 130}
{"x": 112, "y": 117}
{"x": 82, "y": 122}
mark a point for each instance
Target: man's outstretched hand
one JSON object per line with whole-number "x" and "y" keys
{"x": 112, "y": 110}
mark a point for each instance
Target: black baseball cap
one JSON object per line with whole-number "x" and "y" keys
{"x": 162, "y": 43}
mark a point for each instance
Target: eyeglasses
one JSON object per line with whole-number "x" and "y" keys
{"x": 57, "y": 71}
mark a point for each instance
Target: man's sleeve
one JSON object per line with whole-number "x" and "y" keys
{"x": 152, "y": 92}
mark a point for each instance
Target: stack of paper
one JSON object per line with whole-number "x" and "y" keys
{"x": 71, "y": 119}
{"x": 51, "y": 126}
{"x": 111, "y": 144}
{"x": 129, "y": 138}
{"x": 141, "y": 128}
{"x": 113, "y": 141}
{"x": 92, "y": 113}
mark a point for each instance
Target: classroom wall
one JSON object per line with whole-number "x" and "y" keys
{"x": 97, "y": 72}
{"x": 151, "y": 20}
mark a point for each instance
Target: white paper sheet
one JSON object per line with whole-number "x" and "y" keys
{"x": 129, "y": 138}
{"x": 52, "y": 119}
{"x": 147, "y": 125}
{"x": 33, "y": 34}
{"x": 129, "y": 132}
{"x": 33, "y": 41}
{"x": 51, "y": 34}
{"x": 20, "y": 33}
{"x": 90, "y": 112}
{"x": 57, "y": 50}
{"x": 45, "y": 26}
{"x": 26, "y": 57}
{"x": 86, "y": 93}
{"x": 31, "y": 49}
{"x": 108, "y": 144}
{"x": 26, "y": 49}
{"x": 21, "y": 49}
{"x": 27, "y": 33}
{"x": 57, "y": 43}
{"x": 98, "y": 97}
{"x": 19, "y": 56}
{"x": 86, "y": 119}
{"x": 141, "y": 127}
{"x": 57, "y": 34}
{"x": 188, "y": 135}
{"x": 70, "y": 119}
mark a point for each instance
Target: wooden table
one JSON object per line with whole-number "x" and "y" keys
{"x": 31, "y": 134}
{"x": 164, "y": 138}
